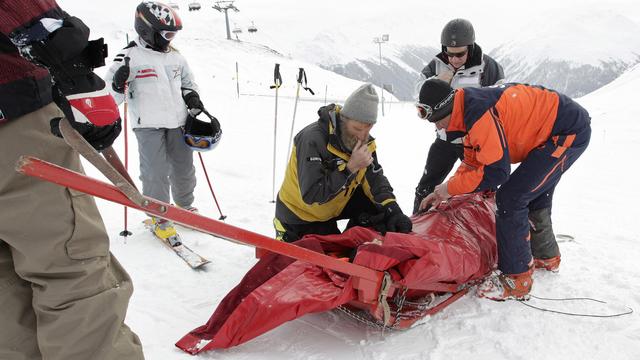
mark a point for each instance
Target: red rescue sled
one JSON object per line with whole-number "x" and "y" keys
{"x": 393, "y": 280}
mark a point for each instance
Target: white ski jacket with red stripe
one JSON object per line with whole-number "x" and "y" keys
{"x": 157, "y": 83}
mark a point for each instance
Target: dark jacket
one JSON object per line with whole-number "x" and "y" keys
{"x": 24, "y": 87}
{"x": 489, "y": 72}
{"x": 480, "y": 70}
{"x": 317, "y": 184}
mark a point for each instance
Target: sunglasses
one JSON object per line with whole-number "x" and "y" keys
{"x": 424, "y": 111}
{"x": 168, "y": 35}
{"x": 456, "y": 54}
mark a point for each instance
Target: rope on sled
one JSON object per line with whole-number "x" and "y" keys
{"x": 523, "y": 302}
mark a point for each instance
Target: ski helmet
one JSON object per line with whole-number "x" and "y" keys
{"x": 457, "y": 33}
{"x": 157, "y": 24}
{"x": 202, "y": 135}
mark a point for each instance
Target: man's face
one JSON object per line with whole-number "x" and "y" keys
{"x": 457, "y": 56}
{"x": 352, "y": 131}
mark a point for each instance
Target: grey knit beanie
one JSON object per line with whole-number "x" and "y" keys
{"x": 362, "y": 105}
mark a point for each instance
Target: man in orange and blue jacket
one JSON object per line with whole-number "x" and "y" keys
{"x": 541, "y": 129}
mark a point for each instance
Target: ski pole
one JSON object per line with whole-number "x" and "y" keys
{"x": 302, "y": 78}
{"x": 277, "y": 80}
{"x": 126, "y": 231}
{"x": 206, "y": 175}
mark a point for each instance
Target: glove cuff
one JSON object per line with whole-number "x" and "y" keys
{"x": 98, "y": 108}
{"x": 392, "y": 208}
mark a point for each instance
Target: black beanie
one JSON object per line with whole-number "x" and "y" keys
{"x": 439, "y": 96}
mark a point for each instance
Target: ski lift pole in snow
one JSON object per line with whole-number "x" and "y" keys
{"x": 277, "y": 82}
{"x": 325, "y": 93}
{"x": 126, "y": 231}
{"x": 381, "y": 40}
{"x": 302, "y": 82}
{"x": 237, "y": 81}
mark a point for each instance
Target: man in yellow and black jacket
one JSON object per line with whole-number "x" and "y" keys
{"x": 334, "y": 174}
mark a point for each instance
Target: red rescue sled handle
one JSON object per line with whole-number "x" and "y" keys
{"x": 369, "y": 280}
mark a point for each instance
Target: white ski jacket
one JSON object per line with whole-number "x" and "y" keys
{"x": 157, "y": 83}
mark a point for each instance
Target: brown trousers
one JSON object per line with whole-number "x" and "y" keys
{"x": 62, "y": 294}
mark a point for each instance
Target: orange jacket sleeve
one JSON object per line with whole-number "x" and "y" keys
{"x": 486, "y": 161}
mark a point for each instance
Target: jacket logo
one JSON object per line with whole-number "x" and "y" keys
{"x": 176, "y": 73}
{"x": 145, "y": 73}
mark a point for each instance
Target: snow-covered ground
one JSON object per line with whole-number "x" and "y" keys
{"x": 594, "y": 202}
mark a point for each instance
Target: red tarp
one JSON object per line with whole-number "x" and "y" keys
{"x": 454, "y": 245}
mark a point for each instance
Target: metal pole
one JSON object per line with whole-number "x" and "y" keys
{"x": 126, "y": 231}
{"x": 237, "y": 81}
{"x": 204, "y": 168}
{"x": 275, "y": 136}
{"x": 226, "y": 19}
{"x": 293, "y": 121}
{"x": 381, "y": 80}
{"x": 325, "y": 94}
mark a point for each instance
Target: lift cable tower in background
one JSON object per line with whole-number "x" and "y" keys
{"x": 381, "y": 40}
{"x": 226, "y": 6}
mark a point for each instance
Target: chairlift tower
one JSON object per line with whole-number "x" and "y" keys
{"x": 381, "y": 40}
{"x": 226, "y": 5}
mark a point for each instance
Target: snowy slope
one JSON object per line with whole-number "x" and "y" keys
{"x": 596, "y": 202}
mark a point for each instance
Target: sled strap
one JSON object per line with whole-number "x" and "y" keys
{"x": 382, "y": 297}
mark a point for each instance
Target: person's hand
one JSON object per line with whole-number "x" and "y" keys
{"x": 396, "y": 220}
{"x": 121, "y": 77}
{"x": 360, "y": 157}
{"x": 389, "y": 218}
{"x": 439, "y": 194}
{"x": 94, "y": 115}
{"x": 193, "y": 102}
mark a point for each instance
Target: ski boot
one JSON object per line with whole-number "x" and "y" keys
{"x": 500, "y": 287}
{"x": 165, "y": 230}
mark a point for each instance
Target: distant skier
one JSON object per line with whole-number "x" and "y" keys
{"x": 161, "y": 89}
{"x": 62, "y": 294}
{"x": 543, "y": 130}
{"x": 334, "y": 174}
{"x": 461, "y": 63}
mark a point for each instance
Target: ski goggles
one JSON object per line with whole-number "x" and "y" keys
{"x": 168, "y": 35}
{"x": 460, "y": 54}
{"x": 424, "y": 111}
{"x": 202, "y": 143}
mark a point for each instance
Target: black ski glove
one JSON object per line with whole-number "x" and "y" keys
{"x": 70, "y": 58}
{"x": 103, "y": 110}
{"x": 120, "y": 78}
{"x": 375, "y": 221}
{"x": 390, "y": 218}
{"x": 396, "y": 220}
{"x": 192, "y": 99}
